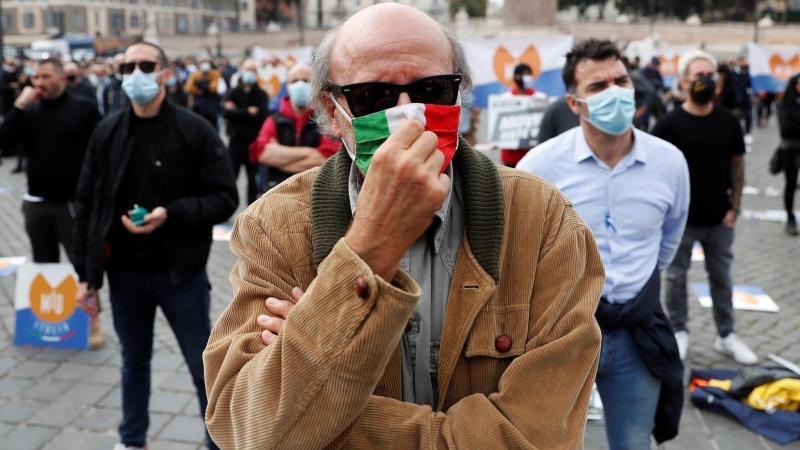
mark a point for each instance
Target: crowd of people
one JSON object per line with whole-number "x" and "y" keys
{"x": 437, "y": 300}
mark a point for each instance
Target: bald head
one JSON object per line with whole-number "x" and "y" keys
{"x": 72, "y": 69}
{"x": 298, "y": 72}
{"x": 248, "y": 65}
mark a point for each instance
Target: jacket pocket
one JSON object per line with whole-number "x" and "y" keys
{"x": 494, "y": 322}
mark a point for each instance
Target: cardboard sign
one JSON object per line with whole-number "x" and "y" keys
{"x": 221, "y": 232}
{"x": 46, "y": 310}
{"x": 9, "y": 265}
{"x": 746, "y": 298}
{"x": 514, "y": 120}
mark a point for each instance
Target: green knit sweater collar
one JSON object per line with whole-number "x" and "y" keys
{"x": 483, "y": 198}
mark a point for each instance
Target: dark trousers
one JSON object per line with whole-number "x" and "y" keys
{"x": 765, "y": 106}
{"x": 134, "y": 299}
{"x": 745, "y": 112}
{"x": 790, "y": 164}
{"x": 240, "y": 156}
{"x": 717, "y": 244}
{"x": 49, "y": 224}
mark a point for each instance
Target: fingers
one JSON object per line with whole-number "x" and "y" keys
{"x": 280, "y": 308}
{"x": 407, "y": 134}
{"x": 297, "y": 294}
{"x": 267, "y": 338}
{"x": 272, "y": 324}
{"x": 128, "y": 224}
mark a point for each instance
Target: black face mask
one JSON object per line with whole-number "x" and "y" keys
{"x": 702, "y": 90}
{"x": 71, "y": 78}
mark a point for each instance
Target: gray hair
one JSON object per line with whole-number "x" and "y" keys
{"x": 321, "y": 73}
{"x": 687, "y": 60}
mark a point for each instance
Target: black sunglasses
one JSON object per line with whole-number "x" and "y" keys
{"x": 371, "y": 97}
{"x": 145, "y": 66}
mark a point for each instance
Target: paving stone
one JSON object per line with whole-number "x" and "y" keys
{"x": 100, "y": 419}
{"x": 158, "y": 377}
{"x": 95, "y": 357}
{"x": 86, "y": 393}
{"x": 5, "y": 429}
{"x": 113, "y": 399}
{"x": 57, "y": 415}
{"x": 80, "y": 440}
{"x": 738, "y": 440}
{"x": 157, "y": 423}
{"x": 167, "y": 362}
{"x": 6, "y": 364}
{"x": 18, "y": 411}
{"x": 74, "y": 372}
{"x": 55, "y": 354}
{"x": 169, "y": 402}
{"x": 46, "y": 390}
{"x": 22, "y": 352}
{"x": 167, "y": 445}
{"x": 28, "y": 437}
{"x": 179, "y": 382}
{"x": 105, "y": 375}
{"x": 192, "y": 408}
{"x": 10, "y": 387}
{"x": 33, "y": 369}
{"x": 186, "y": 429}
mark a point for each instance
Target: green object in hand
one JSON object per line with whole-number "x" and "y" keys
{"x": 137, "y": 215}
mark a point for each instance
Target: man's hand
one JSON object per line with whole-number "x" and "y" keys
{"x": 730, "y": 218}
{"x": 152, "y": 221}
{"x": 26, "y": 97}
{"x": 271, "y": 326}
{"x": 90, "y": 304}
{"x": 252, "y": 110}
{"x": 229, "y": 105}
{"x": 401, "y": 193}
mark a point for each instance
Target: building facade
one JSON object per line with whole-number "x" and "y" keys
{"x": 30, "y": 19}
{"x": 527, "y": 12}
{"x": 335, "y": 10}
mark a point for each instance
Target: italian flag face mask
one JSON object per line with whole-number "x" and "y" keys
{"x": 372, "y": 130}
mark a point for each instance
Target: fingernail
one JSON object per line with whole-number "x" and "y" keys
{"x": 273, "y": 301}
{"x": 263, "y": 319}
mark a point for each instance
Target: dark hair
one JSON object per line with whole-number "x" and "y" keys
{"x": 163, "y": 61}
{"x": 522, "y": 68}
{"x": 593, "y": 49}
{"x": 53, "y": 62}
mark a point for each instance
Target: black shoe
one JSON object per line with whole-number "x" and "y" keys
{"x": 17, "y": 170}
{"x": 791, "y": 229}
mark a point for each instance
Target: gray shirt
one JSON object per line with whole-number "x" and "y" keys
{"x": 557, "y": 119}
{"x": 430, "y": 262}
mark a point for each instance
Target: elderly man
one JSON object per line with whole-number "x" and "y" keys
{"x": 289, "y": 141}
{"x": 454, "y": 308}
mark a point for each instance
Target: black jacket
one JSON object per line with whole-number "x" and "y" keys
{"x": 655, "y": 341}
{"x": 84, "y": 89}
{"x": 194, "y": 183}
{"x": 789, "y": 112}
{"x": 242, "y": 126}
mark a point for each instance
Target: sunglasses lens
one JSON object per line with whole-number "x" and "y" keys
{"x": 371, "y": 98}
{"x": 127, "y": 68}
{"x": 434, "y": 91}
{"x": 147, "y": 66}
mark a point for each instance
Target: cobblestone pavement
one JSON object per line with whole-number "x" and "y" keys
{"x": 63, "y": 399}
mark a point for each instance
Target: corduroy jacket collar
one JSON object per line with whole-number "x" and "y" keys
{"x": 483, "y": 198}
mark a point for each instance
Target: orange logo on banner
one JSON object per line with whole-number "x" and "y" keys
{"x": 782, "y": 69}
{"x": 669, "y": 66}
{"x": 53, "y": 305}
{"x": 273, "y": 85}
{"x": 504, "y": 64}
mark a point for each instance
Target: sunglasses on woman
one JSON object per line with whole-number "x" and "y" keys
{"x": 145, "y": 66}
{"x": 371, "y": 97}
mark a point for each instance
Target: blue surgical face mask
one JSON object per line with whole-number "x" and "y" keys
{"x": 611, "y": 111}
{"x": 141, "y": 87}
{"x": 171, "y": 82}
{"x": 29, "y": 71}
{"x": 249, "y": 78}
{"x": 298, "y": 93}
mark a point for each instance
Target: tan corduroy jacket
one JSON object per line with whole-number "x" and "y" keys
{"x": 528, "y": 268}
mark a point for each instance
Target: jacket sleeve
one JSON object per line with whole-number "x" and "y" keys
{"x": 217, "y": 197}
{"x": 83, "y": 207}
{"x": 263, "y": 109}
{"x": 238, "y": 115}
{"x": 190, "y": 88}
{"x": 321, "y": 371}
{"x": 268, "y": 131}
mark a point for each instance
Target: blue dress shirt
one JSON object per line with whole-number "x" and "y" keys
{"x": 637, "y": 210}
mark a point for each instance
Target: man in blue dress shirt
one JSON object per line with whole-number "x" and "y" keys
{"x": 632, "y": 190}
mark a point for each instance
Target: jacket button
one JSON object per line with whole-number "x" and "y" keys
{"x": 362, "y": 288}
{"x": 502, "y": 343}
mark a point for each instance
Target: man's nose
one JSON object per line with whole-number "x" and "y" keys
{"x": 404, "y": 99}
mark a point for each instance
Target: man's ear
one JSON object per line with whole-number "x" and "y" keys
{"x": 573, "y": 104}
{"x": 330, "y": 110}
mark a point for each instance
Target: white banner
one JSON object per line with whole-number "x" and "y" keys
{"x": 514, "y": 120}
{"x": 772, "y": 67}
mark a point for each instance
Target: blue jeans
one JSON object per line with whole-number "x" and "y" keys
{"x": 134, "y": 299}
{"x": 628, "y": 391}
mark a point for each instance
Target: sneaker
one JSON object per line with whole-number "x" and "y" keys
{"x": 683, "y": 343}
{"x": 97, "y": 337}
{"x": 748, "y": 139}
{"x": 734, "y": 346}
{"x": 121, "y": 446}
{"x": 791, "y": 229}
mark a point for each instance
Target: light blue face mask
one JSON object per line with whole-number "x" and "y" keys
{"x": 141, "y": 87}
{"x": 249, "y": 78}
{"x": 171, "y": 82}
{"x": 298, "y": 93}
{"x": 611, "y": 111}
